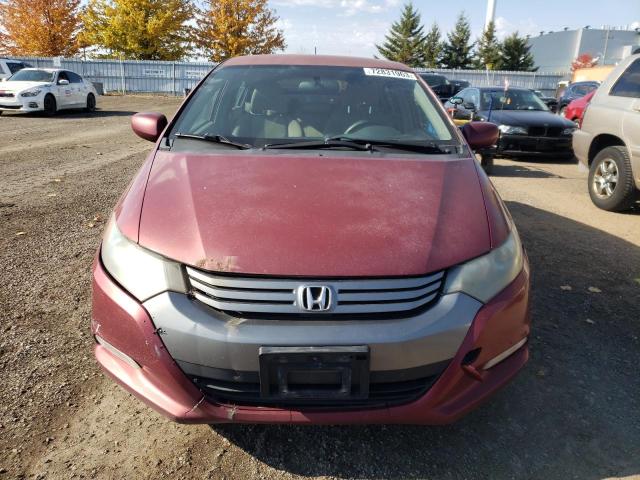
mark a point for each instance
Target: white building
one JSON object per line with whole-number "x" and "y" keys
{"x": 554, "y": 51}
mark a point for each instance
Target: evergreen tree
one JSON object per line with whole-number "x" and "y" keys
{"x": 488, "y": 49}
{"x": 515, "y": 54}
{"x": 433, "y": 47}
{"x": 456, "y": 52}
{"x": 405, "y": 42}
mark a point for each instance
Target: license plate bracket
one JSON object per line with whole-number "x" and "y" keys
{"x": 314, "y": 373}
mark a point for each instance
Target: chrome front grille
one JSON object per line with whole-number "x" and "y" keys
{"x": 284, "y": 296}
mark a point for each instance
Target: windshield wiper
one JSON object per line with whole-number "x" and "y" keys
{"x": 411, "y": 147}
{"x": 214, "y": 139}
{"x": 326, "y": 143}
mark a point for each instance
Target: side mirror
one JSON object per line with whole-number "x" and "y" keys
{"x": 456, "y": 100}
{"x": 149, "y": 125}
{"x": 63, "y": 82}
{"x": 480, "y": 134}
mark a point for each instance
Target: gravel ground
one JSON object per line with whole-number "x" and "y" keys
{"x": 574, "y": 412}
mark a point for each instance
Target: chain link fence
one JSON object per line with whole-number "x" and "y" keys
{"x": 172, "y": 78}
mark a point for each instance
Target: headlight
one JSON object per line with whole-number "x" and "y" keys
{"x": 31, "y": 93}
{"x": 484, "y": 277}
{"x": 142, "y": 273}
{"x": 569, "y": 131}
{"x": 508, "y": 129}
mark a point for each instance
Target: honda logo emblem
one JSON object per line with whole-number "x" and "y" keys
{"x": 315, "y": 298}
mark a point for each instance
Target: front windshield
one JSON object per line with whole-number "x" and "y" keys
{"x": 435, "y": 80}
{"x": 32, "y": 76}
{"x": 511, "y": 100}
{"x": 265, "y": 105}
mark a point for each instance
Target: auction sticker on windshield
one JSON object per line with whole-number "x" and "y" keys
{"x": 385, "y": 72}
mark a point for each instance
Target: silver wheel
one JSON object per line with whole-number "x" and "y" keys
{"x": 605, "y": 179}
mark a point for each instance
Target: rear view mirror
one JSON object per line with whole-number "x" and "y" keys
{"x": 148, "y": 125}
{"x": 480, "y": 134}
{"x": 456, "y": 100}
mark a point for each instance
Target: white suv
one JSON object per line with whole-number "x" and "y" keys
{"x": 9, "y": 67}
{"x": 609, "y": 139}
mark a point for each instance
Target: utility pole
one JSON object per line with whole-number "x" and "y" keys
{"x": 491, "y": 13}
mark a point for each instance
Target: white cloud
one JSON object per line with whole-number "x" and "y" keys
{"x": 343, "y": 7}
{"x": 524, "y": 27}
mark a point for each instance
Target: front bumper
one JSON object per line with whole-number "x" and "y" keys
{"x": 151, "y": 373}
{"x": 22, "y": 104}
{"x": 528, "y": 146}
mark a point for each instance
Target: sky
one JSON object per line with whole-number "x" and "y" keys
{"x": 354, "y": 27}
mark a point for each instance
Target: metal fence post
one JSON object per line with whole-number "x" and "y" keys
{"x": 173, "y": 76}
{"x": 124, "y": 85}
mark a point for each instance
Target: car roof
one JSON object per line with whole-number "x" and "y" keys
{"x": 586, "y": 82}
{"x": 501, "y": 88}
{"x": 315, "y": 60}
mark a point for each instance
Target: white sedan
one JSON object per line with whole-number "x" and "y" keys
{"x": 46, "y": 90}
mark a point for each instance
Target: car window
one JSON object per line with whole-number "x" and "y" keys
{"x": 14, "y": 66}
{"x": 258, "y": 105}
{"x": 74, "y": 77}
{"x": 582, "y": 90}
{"x": 628, "y": 85}
{"x": 32, "y": 76}
{"x": 511, "y": 100}
{"x": 63, "y": 76}
{"x": 473, "y": 97}
{"x": 2, "y": 69}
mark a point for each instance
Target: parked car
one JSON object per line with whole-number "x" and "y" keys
{"x": 575, "y": 109}
{"x": 46, "y": 90}
{"x": 440, "y": 84}
{"x": 550, "y": 102}
{"x": 573, "y": 91}
{"x": 311, "y": 241}
{"x": 527, "y": 126}
{"x": 8, "y": 67}
{"x": 609, "y": 139}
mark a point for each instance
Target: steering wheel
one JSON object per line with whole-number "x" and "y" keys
{"x": 359, "y": 125}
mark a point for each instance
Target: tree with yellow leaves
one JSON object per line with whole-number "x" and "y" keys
{"x": 228, "y": 28}
{"x": 39, "y": 27}
{"x": 139, "y": 29}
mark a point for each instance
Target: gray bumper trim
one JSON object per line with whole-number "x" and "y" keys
{"x": 200, "y": 335}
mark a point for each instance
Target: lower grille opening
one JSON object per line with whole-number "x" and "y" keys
{"x": 381, "y": 394}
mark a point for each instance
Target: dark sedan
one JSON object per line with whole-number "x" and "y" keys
{"x": 527, "y": 126}
{"x": 574, "y": 91}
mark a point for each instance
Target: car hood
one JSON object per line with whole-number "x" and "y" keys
{"x": 314, "y": 214}
{"x": 524, "y": 118}
{"x": 15, "y": 87}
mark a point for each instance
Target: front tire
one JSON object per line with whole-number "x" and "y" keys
{"x": 91, "y": 103}
{"x": 50, "y": 106}
{"x": 611, "y": 185}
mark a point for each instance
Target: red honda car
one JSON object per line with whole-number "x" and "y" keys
{"x": 311, "y": 240}
{"x": 575, "y": 109}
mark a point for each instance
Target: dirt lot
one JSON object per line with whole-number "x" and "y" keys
{"x": 574, "y": 412}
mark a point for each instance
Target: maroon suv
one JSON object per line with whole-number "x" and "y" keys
{"x": 311, "y": 241}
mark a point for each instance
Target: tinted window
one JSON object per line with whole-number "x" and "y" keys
{"x": 265, "y": 104}
{"x": 582, "y": 90}
{"x": 74, "y": 77}
{"x": 511, "y": 100}
{"x": 32, "y": 76}
{"x": 15, "y": 66}
{"x": 63, "y": 76}
{"x": 628, "y": 85}
{"x": 434, "y": 80}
